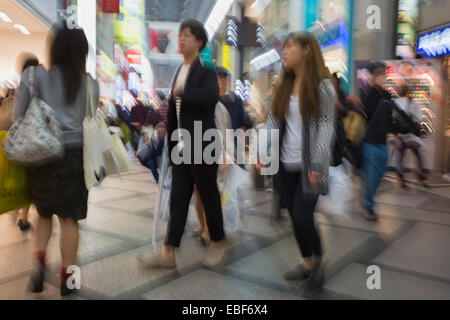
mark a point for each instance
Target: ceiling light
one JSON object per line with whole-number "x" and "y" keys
{"x": 5, "y": 17}
{"x": 216, "y": 17}
{"x": 260, "y": 5}
{"x": 264, "y": 60}
{"x": 22, "y": 29}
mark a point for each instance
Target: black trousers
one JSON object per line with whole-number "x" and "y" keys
{"x": 204, "y": 177}
{"x": 301, "y": 211}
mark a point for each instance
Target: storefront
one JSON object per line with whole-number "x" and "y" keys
{"x": 333, "y": 29}
{"x": 427, "y": 88}
{"x": 130, "y": 51}
{"x": 433, "y": 42}
{"x": 435, "y": 45}
{"x": 21, "y": 30}
{"x": 265, "y": 25}
{"x": 163, "y": 51}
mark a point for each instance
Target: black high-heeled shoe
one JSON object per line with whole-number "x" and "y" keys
{"x": 315, "y": 279}
{"x": 36, "y": 284}
{"x": 23, "y": 225}
{"x": 64, "y": 289}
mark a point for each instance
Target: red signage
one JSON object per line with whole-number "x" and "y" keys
{"x": 134, "y": 56}
{"x": 111, "y": 6}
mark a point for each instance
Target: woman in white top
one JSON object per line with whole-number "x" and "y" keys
{"x": 304, "y": 112}
{"x": 59, "y": 187}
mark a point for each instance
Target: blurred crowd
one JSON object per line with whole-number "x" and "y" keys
{"x": 327, "y": 137}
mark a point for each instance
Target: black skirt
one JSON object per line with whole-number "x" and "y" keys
{"x": 59, "y": 187}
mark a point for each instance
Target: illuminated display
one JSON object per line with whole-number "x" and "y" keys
{"x": 232, "y": 33}
{"x": 434, "y": 43}
{"x": 261, "y": 38}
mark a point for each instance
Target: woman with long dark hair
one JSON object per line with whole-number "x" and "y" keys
{"x": 59, "y": 187}
{"x": 304, "y": 112}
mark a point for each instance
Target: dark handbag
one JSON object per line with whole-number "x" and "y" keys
{"x": 339, "y": 151}
{"x": 404, "y": 123}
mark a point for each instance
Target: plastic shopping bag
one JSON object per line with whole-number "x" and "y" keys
{"x": 128, "y": 136}
{"x": 13, "y": 183}
{"x": 166, "y": 189}
{"x": 99, "y": 159}
{"x": 237, "y": 178}
{"x": 162, "y": 199}
{"x": 338, "y": 199}
{"x": 121, "y": 154}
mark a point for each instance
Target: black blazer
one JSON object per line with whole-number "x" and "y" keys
{"x": 198, "y": 103}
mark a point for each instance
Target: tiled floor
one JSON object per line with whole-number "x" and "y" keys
{"x": 410, "y": 244}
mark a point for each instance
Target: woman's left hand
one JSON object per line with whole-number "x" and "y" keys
{"x": 314, "y": 178}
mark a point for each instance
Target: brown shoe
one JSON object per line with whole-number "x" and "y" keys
{"x": 299, "y": 273}
{"x": 155, "y": 260}
{"x": 215, "y": 258}
{"x": 371, "y": 215}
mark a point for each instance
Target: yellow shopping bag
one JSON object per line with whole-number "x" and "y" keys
{"x": 14, "y": 192}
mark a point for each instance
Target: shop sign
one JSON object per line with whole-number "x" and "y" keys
{"x": 435, "y": 43}
{"x": 406, "y": 34}
{"x": 227, "y": 57}
{"x": 334, "y": 35}
{"x": 134, "y": 56}
{"x": 232, "y": 33}
{"x": 261, "y": 38}
{"x": 111, "y": 6}
{"x": 129, "y": 24}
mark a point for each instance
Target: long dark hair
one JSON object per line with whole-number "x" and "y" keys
{"x": 314, "y": 72}
{"x": 69, "y": 51}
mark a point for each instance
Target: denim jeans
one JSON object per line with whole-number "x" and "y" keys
{"x": 375, "y": 158}
{"x": 151, "y": 161}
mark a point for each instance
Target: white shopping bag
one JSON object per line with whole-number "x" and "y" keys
{"x": 237, "y": 178}
{"x": 162, "y": 199}
{"x": 99, "y": 158}
{"x": 121, "y": 154}
{"x": 341, "y": 192}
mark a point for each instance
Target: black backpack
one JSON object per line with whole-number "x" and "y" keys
{"x": 339, "y": 150}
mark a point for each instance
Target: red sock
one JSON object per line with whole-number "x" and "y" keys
{"x": 40, "y": 257}
{"x": 63, "y": 274}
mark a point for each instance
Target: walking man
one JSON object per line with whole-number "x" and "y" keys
{"x": 194, "y": 96}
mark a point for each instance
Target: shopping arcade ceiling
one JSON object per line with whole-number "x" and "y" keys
{"x": 178, "y": 10}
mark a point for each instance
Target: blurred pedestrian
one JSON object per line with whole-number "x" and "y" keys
{"x": 6, "y": 109}
{"x": 153, "y": 135}
{"x": 59, "y": 187}
{"x": 410, "y": 114}
{"x": 378, "y": 107}
{"x": 304, "y": 111}
{"x": 194, "y": 97}
{"x": 223, "y": 123}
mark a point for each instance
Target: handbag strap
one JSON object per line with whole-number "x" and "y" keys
{"x": 31, "y": 81}
{"x": 90, "y": 108}
{"x": 178, "y": 111}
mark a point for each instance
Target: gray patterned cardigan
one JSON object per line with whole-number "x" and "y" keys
{"x": 318, "y": 139}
